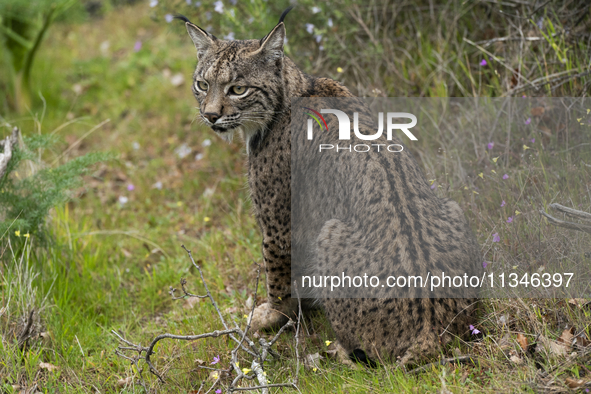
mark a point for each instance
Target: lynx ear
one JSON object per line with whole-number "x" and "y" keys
{"x": 202, "y": 39}
{"x": 272, "y": 43}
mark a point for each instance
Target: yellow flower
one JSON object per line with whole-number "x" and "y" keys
{"x": 493, "y": 171}
{"x": 588, "y": 110}
{"x": 179, "y": 204}
{"x": 339, "y": 69}
{"x": 431, "y": 181}
{"x": 246, "y": 370}
{"x": 517, "y": 212}
{"x": 314, "y": 369}
{"x": 495, "y": 159}
{"x": 246, "y": 316}
{"x": 17, "y": 233}
{"x": 26, "y": 235}
{"x": 215, "y": 375}
{"x": 327, "y": 342}
{"x": 579, "y": 119}
{"x": 206, "y": 219}
{"x": 279, "y": 298}
{"x": 481, "y": 175}
{"x": 465, "y": 187}
{"x": 525, "y": 147}
{"x": 475, "y": 192}
{"x": 237, "y": 365}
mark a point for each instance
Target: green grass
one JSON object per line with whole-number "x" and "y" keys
{"x": 110, "y": 265}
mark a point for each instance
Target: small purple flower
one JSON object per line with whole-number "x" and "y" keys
{"x": 484, "y": 264}
{"x": 496, "y": 237}
{"x": 218, "y": 391}
{"x": 474, "y": 330}
{"x": 503, "y": 203}
{"x": 524, "y": 96}
{"x": 310, "y": 28}
{"x": 509, "y": 219}
{"x": 130, "y": 187}
{"x": 153, "y": 3}
{"x": 219, "y": 7}
{"x": 433, "y": 186}
{"x": 528, "y": 121}
{"x": 483, "y": 62}
{"x": 216, "y": 360}
{"x": 169, "y": 18}
{"x": 490, "y": 145}
{"x": 137, "y": 46}
{"x": 533, "y": 140}
{"x": 505, "y": 176}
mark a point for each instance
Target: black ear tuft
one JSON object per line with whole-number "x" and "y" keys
{"x": 182, "y": 17}
{"x": 284, "y": 14}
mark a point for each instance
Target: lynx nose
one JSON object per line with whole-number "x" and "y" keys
{"x": 212, "y": 116}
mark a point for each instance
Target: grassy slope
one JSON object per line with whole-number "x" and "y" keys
{"x": 112, "y": 264}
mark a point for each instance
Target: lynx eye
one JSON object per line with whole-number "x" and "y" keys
{"x": 202, "y": 85}
{"x": 238, "y": 90}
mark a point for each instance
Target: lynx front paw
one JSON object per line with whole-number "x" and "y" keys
{"x": 265, "y": 316}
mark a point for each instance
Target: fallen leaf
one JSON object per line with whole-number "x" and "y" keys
{"x": 574, "y": 383}
{"x": 581, "y": 341}
{"x": 48, "y": 366}
{"x": 516, "y": 359}
{"x": 249, "y": 302}
{"x": 177, "y": 79}
{"x": 538, "y": 111}
{"x": 552, "y": 347}
{"x": 190, "y": 302}
{"x": 464, "y": 377}
{"x": 124, "y": 382}
{"x": 577, "y": 301}
{"x": 522, "y": 341}
{"x": 199, "y": 361}
{"x": 566, "y": 338}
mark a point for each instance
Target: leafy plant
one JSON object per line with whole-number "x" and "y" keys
{"x": 30, "y": 188}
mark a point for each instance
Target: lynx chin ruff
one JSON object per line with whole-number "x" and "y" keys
{"x": 246, "y": 86}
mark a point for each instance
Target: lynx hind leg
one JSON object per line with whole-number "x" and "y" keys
{"x": 339, "y": 250}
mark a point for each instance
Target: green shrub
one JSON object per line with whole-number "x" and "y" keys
{"x": 30, "y": 187}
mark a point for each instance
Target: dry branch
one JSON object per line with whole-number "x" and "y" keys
{"x": 572, "y": 213}
{"x": 259, "y": 353}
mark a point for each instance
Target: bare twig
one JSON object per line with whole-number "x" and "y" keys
{"x": 238, "y": 335}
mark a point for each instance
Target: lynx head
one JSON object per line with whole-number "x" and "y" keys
{"x": 238, "y": 84}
